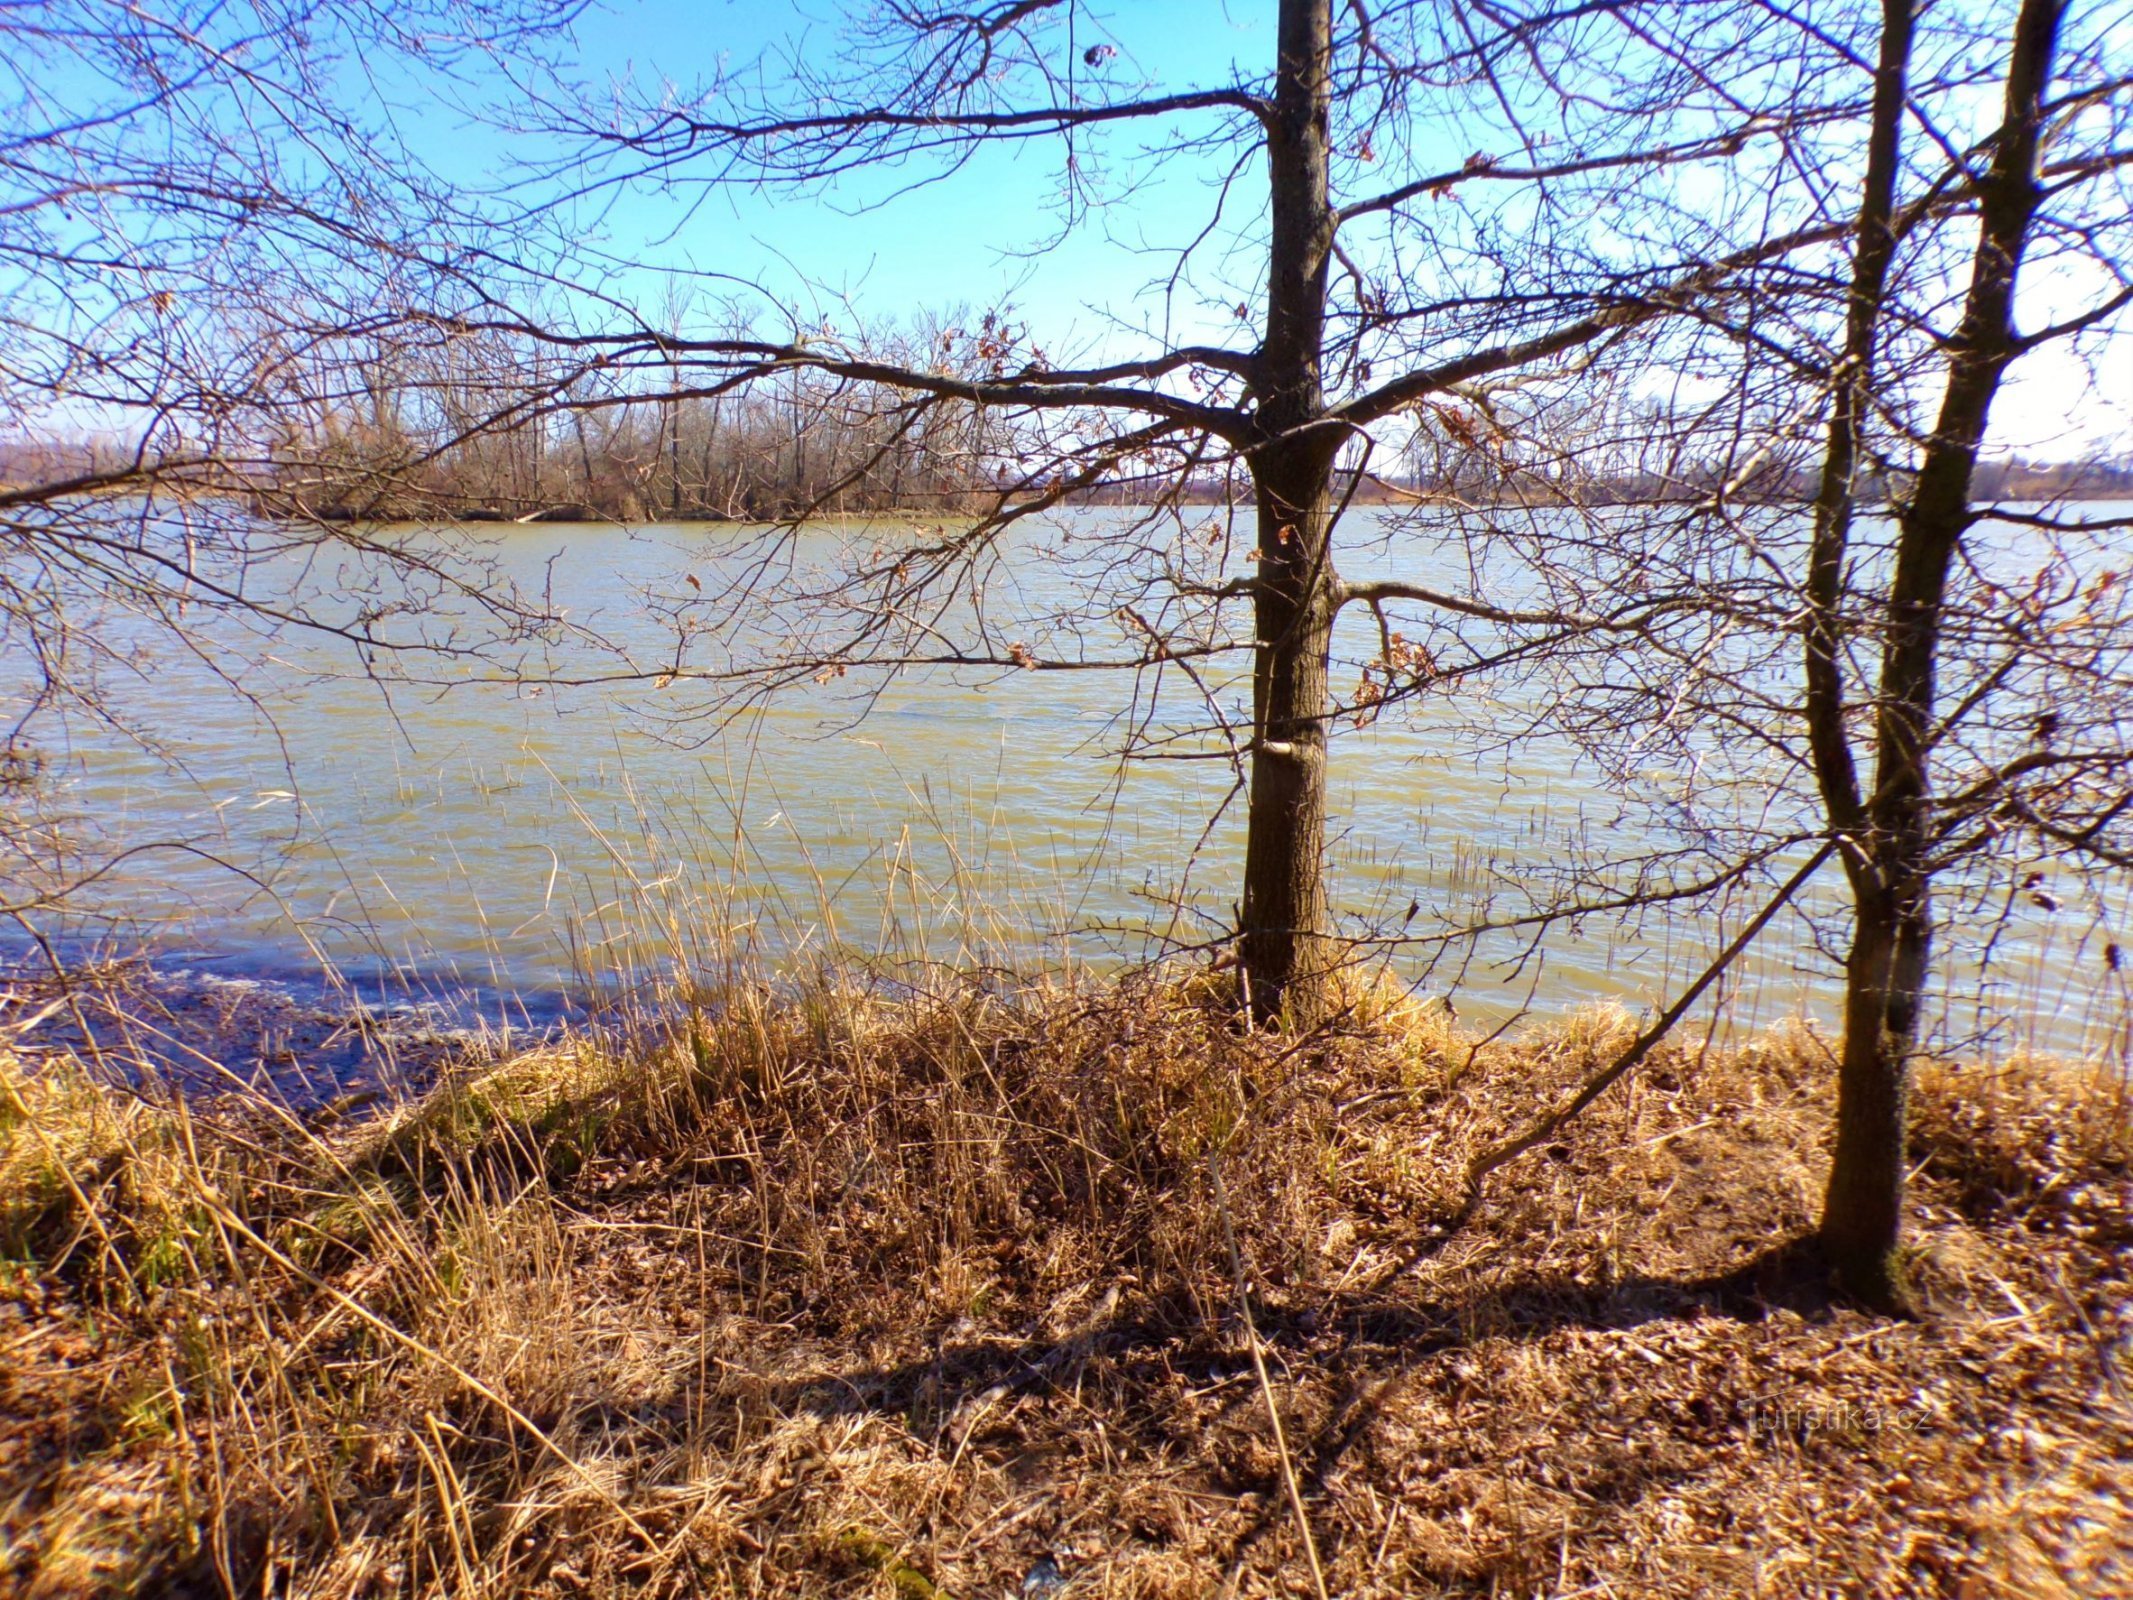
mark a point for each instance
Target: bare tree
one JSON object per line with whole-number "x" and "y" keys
{"x": 1851, "y": 650}
{"x": 2071, "y": 783}
{"x": 1389, "y": 285}
{"x": 210, "y": 229}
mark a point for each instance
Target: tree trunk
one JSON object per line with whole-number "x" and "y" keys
{"x": 1862, "y": 1210}
{"x": 1287, "y": 957}
{"x": 1284, "y": 950}
{"x": 1862, "y": 1217}
{"x": 674, "y": 454}
{"x": 1851, "y": 398}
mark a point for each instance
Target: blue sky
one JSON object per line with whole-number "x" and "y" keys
{"x": 990, "y": 234}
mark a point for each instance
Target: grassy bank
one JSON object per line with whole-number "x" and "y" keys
{"x": 851, "y": 1296}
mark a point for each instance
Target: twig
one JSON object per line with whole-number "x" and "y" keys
{"x": 1495, "y": 1156}
{"x": 1266, "y": 1386}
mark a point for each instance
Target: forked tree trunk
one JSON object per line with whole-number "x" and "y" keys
{"x": 1863, "y": 1211}
{"x": 1284, "y": 949}
{"x": 1862, "y": 1216}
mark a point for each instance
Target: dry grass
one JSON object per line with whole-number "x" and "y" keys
{"x": 842, "y": 1295}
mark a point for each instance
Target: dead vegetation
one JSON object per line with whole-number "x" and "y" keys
{"x": 845, "y": 1295}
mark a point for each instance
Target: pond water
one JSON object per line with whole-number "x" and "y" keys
{"x": 519, "y": 847}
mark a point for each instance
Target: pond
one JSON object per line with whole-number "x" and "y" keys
{"x": 522, "y": 848}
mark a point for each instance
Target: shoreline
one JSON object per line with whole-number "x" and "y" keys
{"x": 204, "y": 1026}
{"x": 206, "y": 1022}
{"x": 1390, "y": 498}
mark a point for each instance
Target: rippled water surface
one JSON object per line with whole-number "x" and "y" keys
{"x": 521, "y": 839}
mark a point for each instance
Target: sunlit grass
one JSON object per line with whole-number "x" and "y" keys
{"x": 818, "y": 1286}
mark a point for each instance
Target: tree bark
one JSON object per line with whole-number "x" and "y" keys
{"x": 1862, "y": 1216}
{"x": 1285, "y": 953}
{"x": 1287, "y": 956}
{"x": 1851, "y": 396}
{"x": 1862, "y": 1208}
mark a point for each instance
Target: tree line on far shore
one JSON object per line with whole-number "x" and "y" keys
{"x": 419, "y": 437}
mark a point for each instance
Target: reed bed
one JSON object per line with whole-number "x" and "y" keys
{"x": 1055, "y": 1289}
